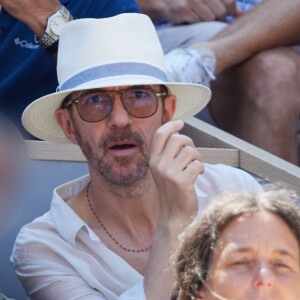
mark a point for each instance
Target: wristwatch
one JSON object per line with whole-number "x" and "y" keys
{"x": 49, "y": 41}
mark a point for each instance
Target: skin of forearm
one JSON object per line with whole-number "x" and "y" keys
{"x": 159, "y": 278}
{"x": 38, "y": 24}
{"x": 34, "y": 13}
{"x": 270, "y": 24}
{"x": 174, "y": 178}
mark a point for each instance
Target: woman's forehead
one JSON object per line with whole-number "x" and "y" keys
{"x": 262, "y": 228}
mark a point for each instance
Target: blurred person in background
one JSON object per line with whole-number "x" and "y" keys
{"x": 13, "y": 167}
{"x": 256, "y": 93}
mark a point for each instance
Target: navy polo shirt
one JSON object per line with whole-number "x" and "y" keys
{"x": 27, "y": 71}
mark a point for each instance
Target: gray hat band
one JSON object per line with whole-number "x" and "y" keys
{"x": 111, "y": 70}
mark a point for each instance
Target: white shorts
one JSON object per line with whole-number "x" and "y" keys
{"x": 172, "y": 37}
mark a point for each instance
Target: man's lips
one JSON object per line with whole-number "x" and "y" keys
{"x": 124, "y": 148}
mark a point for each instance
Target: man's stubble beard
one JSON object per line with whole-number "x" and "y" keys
{"x": 105, "y": 169}
{"x": 98, "y": 160}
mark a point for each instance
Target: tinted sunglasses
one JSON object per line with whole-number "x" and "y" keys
{"x": 97, "y": 105}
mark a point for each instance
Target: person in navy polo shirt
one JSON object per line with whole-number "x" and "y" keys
{"x": 27, "y": 70}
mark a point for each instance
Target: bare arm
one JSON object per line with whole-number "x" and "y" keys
{"x": 175, "y": 165}
{"x": 270, "y": 24}
{"x": 34, "y": 13}
{"x": 188, "y": 11}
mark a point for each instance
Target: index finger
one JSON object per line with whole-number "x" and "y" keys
{"x": 162, "y": 135}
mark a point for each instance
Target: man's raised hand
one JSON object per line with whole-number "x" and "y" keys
{"x": 175, "y": 164}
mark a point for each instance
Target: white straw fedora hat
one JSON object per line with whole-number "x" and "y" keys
{"x": 97, "y": 53}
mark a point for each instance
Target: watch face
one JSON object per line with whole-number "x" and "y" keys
{"x": 56, "y": 24}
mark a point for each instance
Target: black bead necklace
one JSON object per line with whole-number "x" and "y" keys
{"x": 102, "y": 225}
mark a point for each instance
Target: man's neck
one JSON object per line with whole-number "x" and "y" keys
{"x": 132, "y": 210}
{"x": 132, "y": 202}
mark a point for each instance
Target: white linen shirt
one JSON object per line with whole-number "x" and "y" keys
{"x": 58, "y": 256}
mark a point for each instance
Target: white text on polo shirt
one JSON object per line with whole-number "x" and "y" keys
{"x": 25, "y": 44}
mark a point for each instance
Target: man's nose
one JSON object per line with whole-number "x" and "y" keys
{"x": 119, "y": 117}
{"x": 264, "y": 276}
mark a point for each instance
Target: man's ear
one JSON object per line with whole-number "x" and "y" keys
{"x": 169, "y": 106}
{"x": 63, "y": 119}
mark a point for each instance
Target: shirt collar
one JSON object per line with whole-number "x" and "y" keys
{"x": 64, "y": 216}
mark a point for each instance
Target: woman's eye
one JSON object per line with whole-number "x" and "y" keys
{"x": 280, "y": 265}
{"x": 240, "y": 262}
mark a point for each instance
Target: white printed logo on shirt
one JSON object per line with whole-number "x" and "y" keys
{"x": 25, "y": 44}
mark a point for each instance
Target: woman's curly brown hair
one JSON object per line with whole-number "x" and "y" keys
{"x": 197, "y": 242}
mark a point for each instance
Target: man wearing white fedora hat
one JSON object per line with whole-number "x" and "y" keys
{"x": 109, "y": 235}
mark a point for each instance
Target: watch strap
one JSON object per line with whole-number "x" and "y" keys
{"x": 53, "y": 48}
{"x": 50, "y": 38}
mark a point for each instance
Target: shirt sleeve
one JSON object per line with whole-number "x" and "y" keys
{"x": 218, "y": 179}
{"x": 49, "y": 268}
{"x": 51, "y": 283}
{"x": 46, "y": 282}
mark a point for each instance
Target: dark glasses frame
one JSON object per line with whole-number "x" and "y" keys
{"x": 111, "y": 94}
